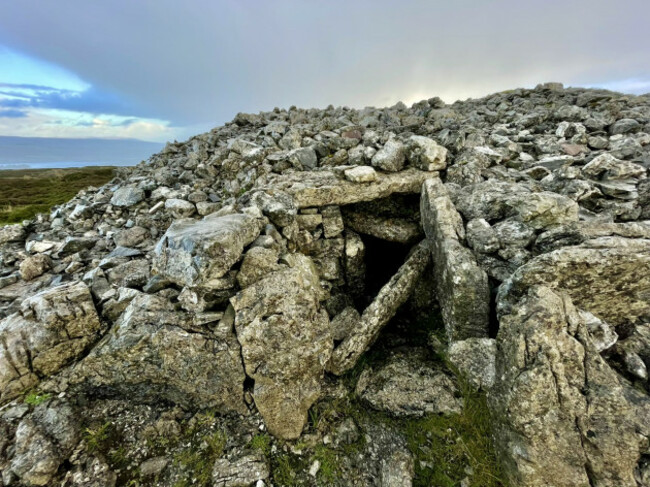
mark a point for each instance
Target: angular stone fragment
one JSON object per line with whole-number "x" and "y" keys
{"x": 495, "y": 200}
{"x": 462, "y": 286}
{"x": 152, "y": 354}
{"x": 323, "y": 188}
{"x": 380, "y": 311}
{"x": 52, "y": 329}
{"x": 391, "y": 157}
{"x": 195, "y": 253}
{"x": 608, "y": 168}
{"x": 561, "y": 413}
{"x": 426, "y": 154}
{"x": 607, "y": 276}
{"x": 44, "y": 440}
{"x": 35, "y": 266}
{"x": 246, "y": 470}
{"x": 257, "y": 264}
{"x": 127, "y": 196}
{"x": 274, "y": 318}
{"x": 409, "y": 385}
{"x": 180, "y": 208}
{"x": 361, "y": 174}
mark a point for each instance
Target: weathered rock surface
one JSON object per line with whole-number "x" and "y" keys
{"x": 196, "y": 254}
{"x": 274, "y": 318}
{"x": 461, "y": 285}
{"x": 407, "y": 385}
{"x": 52, "y": 329}
{"x": 322, "y": 188}
{"x": 607, "y": 276}
{"x": 152, "y": 353}
{"x": 246, "y": 470}
{"x": 44, "y": 439}
{"x": 563, "y": 416}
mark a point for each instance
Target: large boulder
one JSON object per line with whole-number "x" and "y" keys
{"x": 275, "y": 318}
{"x": 607, "y": 276}
{"x": 461, "y": 285}
{"x": 196, "y": 253}
{"x": 562, "y": 415}
{"x": 154, "y": 353}
{"x": 496, "y": 200}
{"x": 52, "y": 329}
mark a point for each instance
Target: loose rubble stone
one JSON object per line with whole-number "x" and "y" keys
{"x": 127, "y": 196}
{"x": 194, "y": 253}
{"x": 35, "y": 266}
{"x": 409, "y": 386}
{"x": 426, "y": 154}
{"x": 391, "y": 157}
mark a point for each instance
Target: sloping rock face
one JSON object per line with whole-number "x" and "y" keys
{"x": 564, "y": 418}
{"x": 51, "y": 330}
{"x": 151, "y": 353}
{"x": 236, "y": 282}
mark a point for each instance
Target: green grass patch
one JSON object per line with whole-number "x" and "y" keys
{"x": 262, "y": 443}
{"x": 34, "y": 399}
{"x": 24, "y": 193}
{"x": 204, "y": 447}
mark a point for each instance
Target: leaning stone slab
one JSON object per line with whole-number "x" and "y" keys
{"x": 380, "y": 311}
{"x": 461, "y": 285}
{"x": 322, "y": 188}
{"x": 196, "y": 253}
{"x": 152, "y": 354}
{"x": 286, "y": 341}
{"x": 607, "y": 276}
{"x": 562, "y": 416}
{"x": 52, "y": 329}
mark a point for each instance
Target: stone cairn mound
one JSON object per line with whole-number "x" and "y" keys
{"x": 247, "y": 270}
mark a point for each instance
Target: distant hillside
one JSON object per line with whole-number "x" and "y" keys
{"x": 54, "y": 152}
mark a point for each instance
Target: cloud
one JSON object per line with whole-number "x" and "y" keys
{"x": 12, "y": 113}
{"x": 199, "y": 63}
{"x": 88, "y": 100}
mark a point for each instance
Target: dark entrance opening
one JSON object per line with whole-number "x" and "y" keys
{"x": 382, "y": 259}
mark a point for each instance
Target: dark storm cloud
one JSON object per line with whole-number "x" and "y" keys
{"x": 199, "y": 62}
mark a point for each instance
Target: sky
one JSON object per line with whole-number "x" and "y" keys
{"x": 160, "y": 70}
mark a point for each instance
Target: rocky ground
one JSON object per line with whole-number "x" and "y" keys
{"x": 434, "y": 295}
